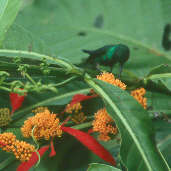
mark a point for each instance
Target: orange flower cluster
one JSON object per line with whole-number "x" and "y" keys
{"x": 103, "y": 124}
{"x": 45, "y": 125}
{"x": 22, "y": 150}
{"x": 138, "y": 94}
{"x": 5, "y": 116}
{"x": 75, "y": 109}
{"x": 79, "y": 118}
{"x": 110, "y": 78}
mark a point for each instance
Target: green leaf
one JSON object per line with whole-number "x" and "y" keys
{"x": 159, "y": 102}
{"x": 160, "y": 69}
{"x": 16, "y": 132}
{"x": 165, "y": 147}
{"x": 7, "y": 162}
{"x": 101, "y": 167}
{"x": 64, "y": 28}
{"x": 135, "y": 127}
{"x": 167, "y": 83}
{"x": 163, "y": 138}
{"x": 161, "y": 75}
{"x": 56, "y": 100}
{"x": 8, "y": 12}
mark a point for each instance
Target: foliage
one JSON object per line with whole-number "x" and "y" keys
{"x": 40, "y": 65}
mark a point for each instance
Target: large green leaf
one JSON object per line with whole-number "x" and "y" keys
{"x": 161, "y": 75}
{"x": 101, "y": 167}
{"x": 135, "y": 126}
{"x": 8, "y": 12}
{"x": 64, "y": 27}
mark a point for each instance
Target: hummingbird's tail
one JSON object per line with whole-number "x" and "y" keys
{"x": 87, "y": 51}
{"x": 90, "y": 57}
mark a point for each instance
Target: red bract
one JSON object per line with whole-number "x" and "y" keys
{"x": 90, "y": 131}
{"x": 80, "y": 97}
{"x": 16, "y": 101}
{"x": 2, "y": 144}
{"x": 91, "y": 144}
{"x": 53, "y": 152}
{"x": 25, "y": 166}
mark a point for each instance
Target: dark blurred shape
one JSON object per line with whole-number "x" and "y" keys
{"x": 82, "y": 33}
{"x": 99, "y": 21}
{"x": 166, "y": 43}
{"x": 30, "y": 47}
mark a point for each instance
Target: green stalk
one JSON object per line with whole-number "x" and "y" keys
{"x": 82, "y": 126}
{"x": 33, "y": 55}
{"x": 6, "y": 89}
{"x": 65, "y": 82}
{"x": 34, "y": 139}
{"x": 29, "y": 78}
{"x": 37, "y": 144}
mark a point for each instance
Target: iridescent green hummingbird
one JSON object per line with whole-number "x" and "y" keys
{"x": 109, "y": 55}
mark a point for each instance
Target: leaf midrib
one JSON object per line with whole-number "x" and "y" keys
{"x": 124, "y": 121}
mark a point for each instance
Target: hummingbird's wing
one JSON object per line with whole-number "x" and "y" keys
{"x": 93, "y": 54}
{"x": 98, "y": 51}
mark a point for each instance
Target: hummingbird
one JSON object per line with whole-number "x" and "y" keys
{"x": 109, "y": 55}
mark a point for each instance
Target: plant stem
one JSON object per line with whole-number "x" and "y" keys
{"x": 6, "y": 89}
{"x": 82, "y": 126}
{"x": 29, "y": 78}
{"x": 34, "y": 139}
{"x": 65, "y": 82}
{"x": 33, "y": 55}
